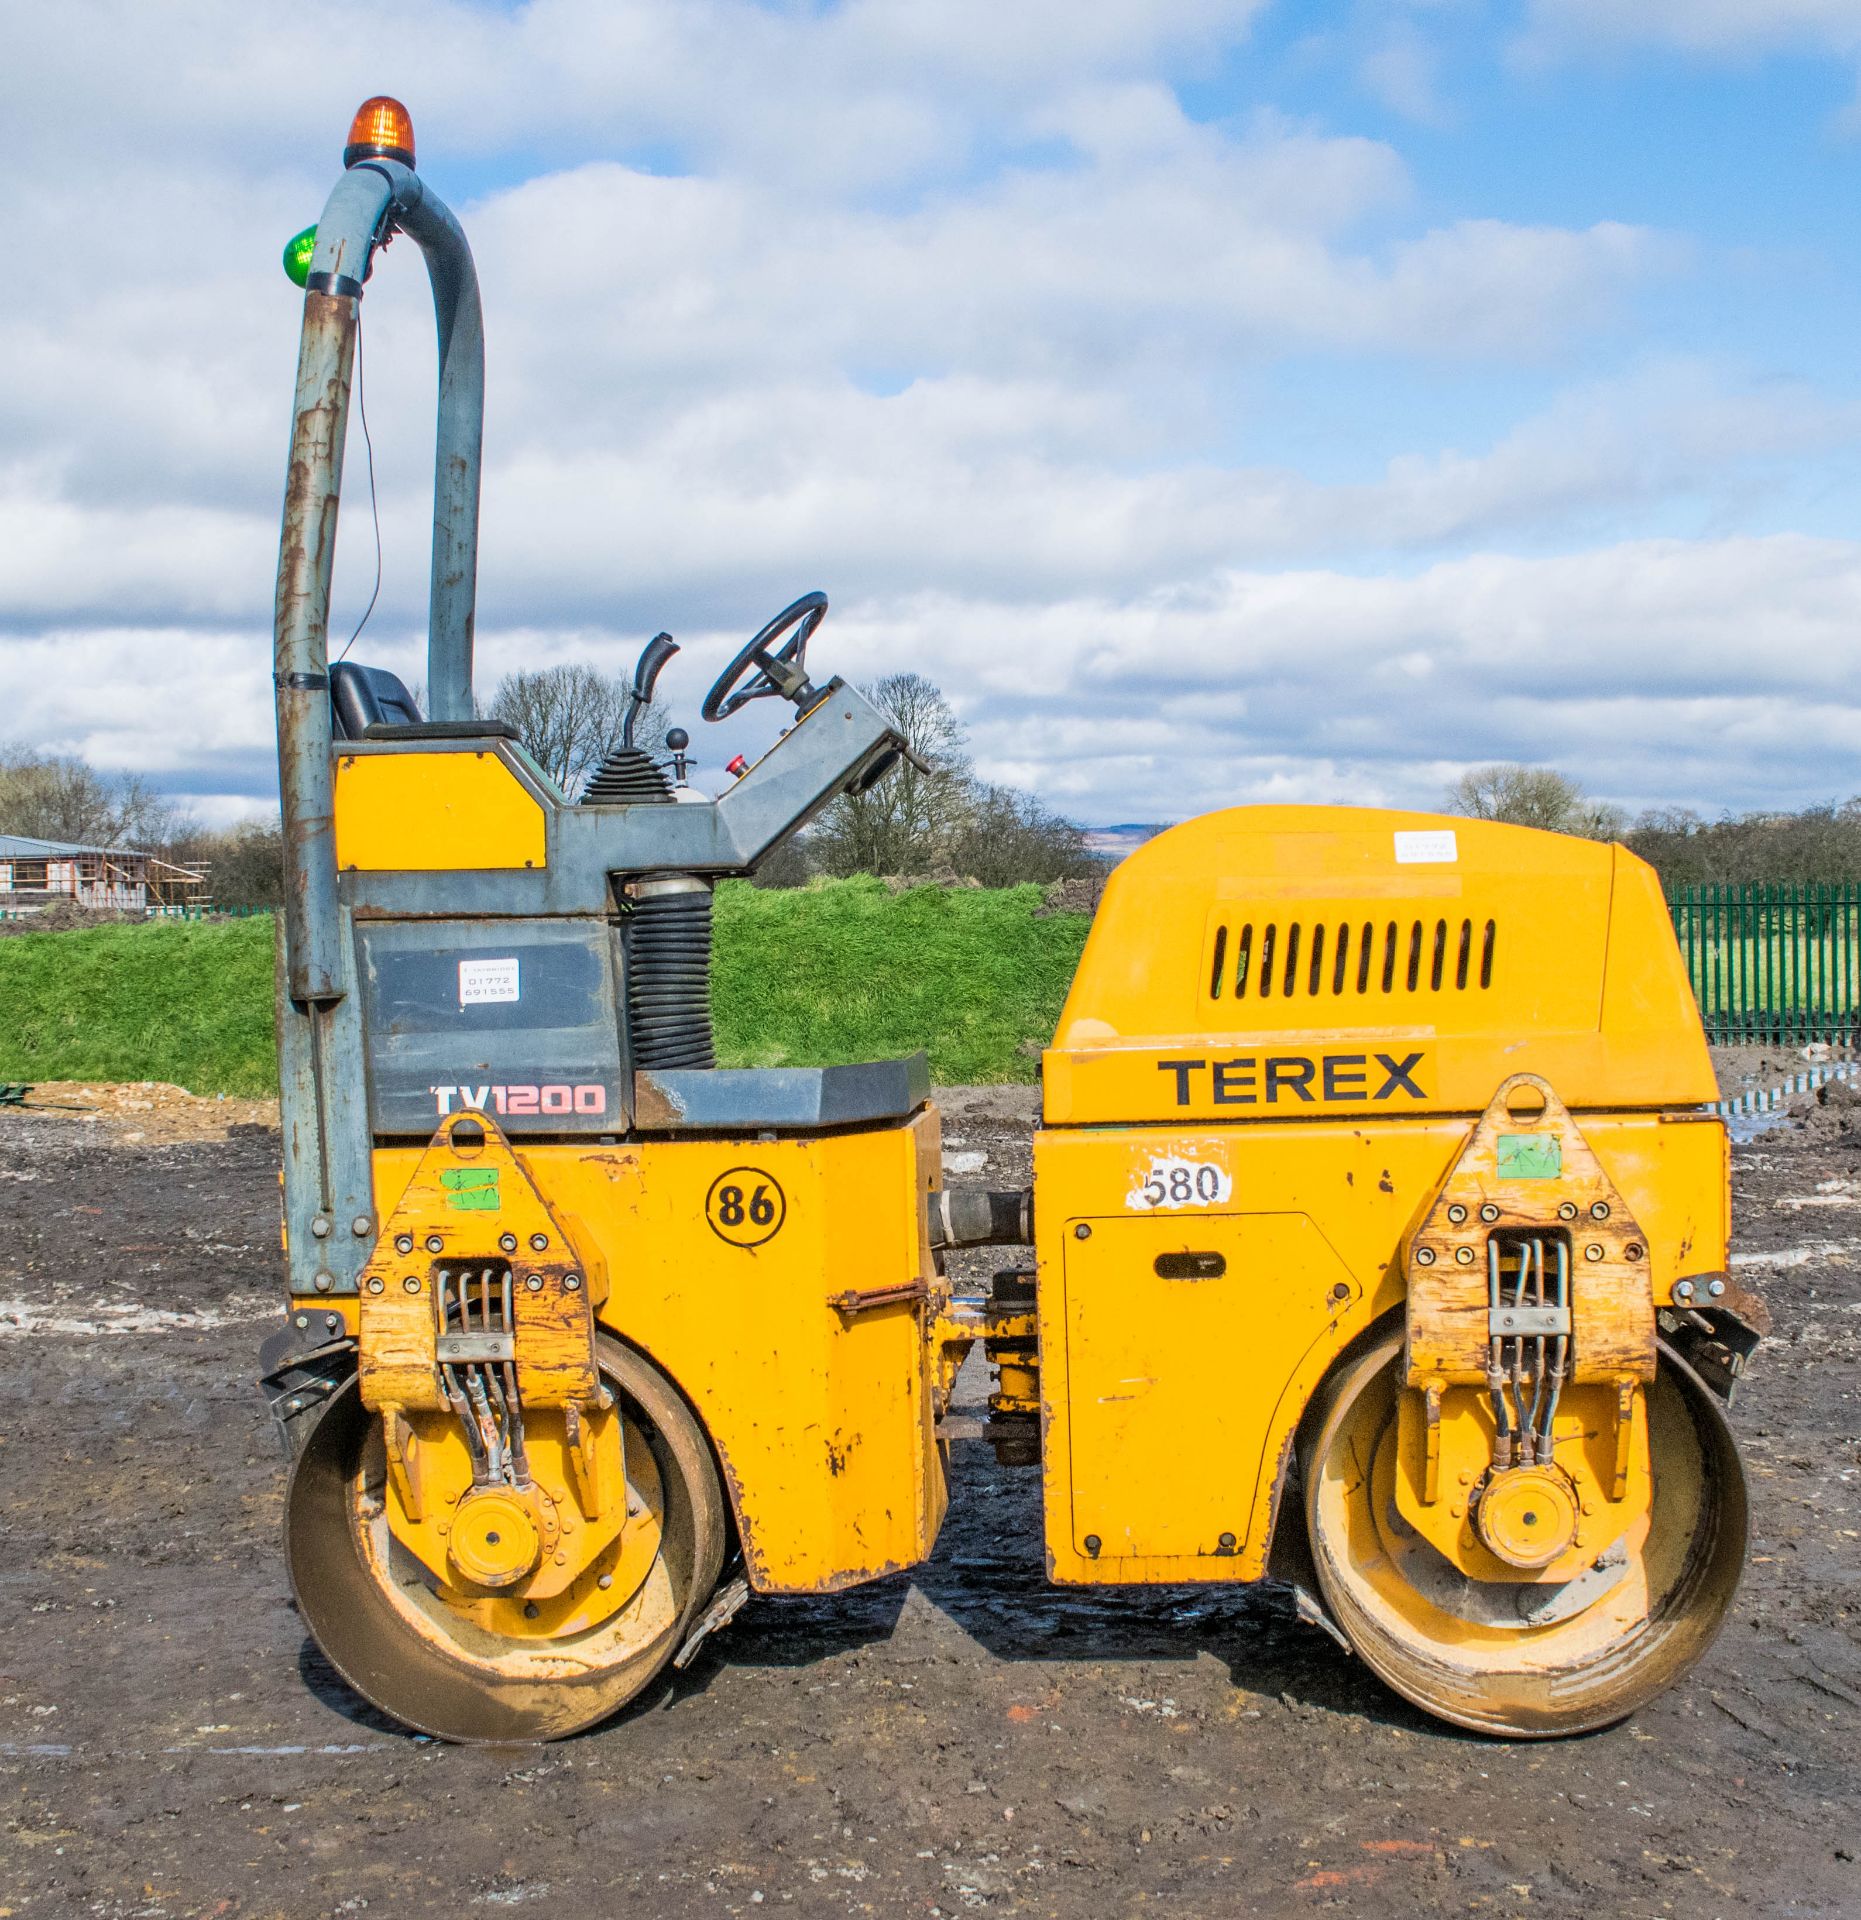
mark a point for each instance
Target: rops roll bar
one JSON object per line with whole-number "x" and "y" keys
{"x": 378, "y": 196}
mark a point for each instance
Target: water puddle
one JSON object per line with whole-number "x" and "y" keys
{"x": 1753, "y": 1113}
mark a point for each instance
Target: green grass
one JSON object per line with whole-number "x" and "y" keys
{"x": 1783, "y": 976}
{"x": 183, "y": 1001}
{"x": 829, "y": 973}
{"x": 846, "y": 971}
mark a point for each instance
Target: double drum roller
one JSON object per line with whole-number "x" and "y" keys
{"x": 1378, "y": 1218}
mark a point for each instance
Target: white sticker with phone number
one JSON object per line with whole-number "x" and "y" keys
{"x": 1171, "y": 1182}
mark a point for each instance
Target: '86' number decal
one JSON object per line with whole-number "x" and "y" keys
{"x": 1169, "y": 1181}
{"x": 745, "y": 1206}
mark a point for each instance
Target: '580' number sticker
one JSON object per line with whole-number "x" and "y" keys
{"x": 745, "y": 1206}
{"x": 1169, "y": 1182}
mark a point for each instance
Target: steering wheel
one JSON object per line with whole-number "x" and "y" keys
{"x": 783, "y": 672}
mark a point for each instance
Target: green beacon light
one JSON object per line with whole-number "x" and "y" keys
{"x": 297, "y": 255}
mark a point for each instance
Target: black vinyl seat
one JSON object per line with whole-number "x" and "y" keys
{"x": 363, "y": 697}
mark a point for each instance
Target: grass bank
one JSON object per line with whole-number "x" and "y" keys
{"x": 847, "y": 971}
{"x": 185, "y": 1001}
{"x": 830, "y": 973}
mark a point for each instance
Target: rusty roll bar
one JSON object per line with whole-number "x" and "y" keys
{"x": 374, "y": 199}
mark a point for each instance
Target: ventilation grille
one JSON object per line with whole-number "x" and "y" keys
{"x": 1275, "y": 960}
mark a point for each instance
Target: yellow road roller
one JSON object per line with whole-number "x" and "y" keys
{"x": 1379, "y": 1210}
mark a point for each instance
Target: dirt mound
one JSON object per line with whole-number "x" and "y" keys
{"x": 66, "y": 916}
{"x": 1073, "y": 896}
{"x": 151, "y": 1111}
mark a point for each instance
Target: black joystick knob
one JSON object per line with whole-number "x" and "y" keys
{"x": 677, "y": 740}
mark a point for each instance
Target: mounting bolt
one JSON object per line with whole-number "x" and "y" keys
{"x": 1083, "y": 1232}
{"x": 1489, "y": 1213}
{"x": 534, "y": 1281}
{"x": 1424, "y": 1256}
{"x": 333, "y": 1321}
{"x": 571, "y": 1283}
{"x": 1715, "y": 1288}
{"x": 1592, "y": 1251}
{"x": 434, "y": 1244}
{"x": 1568, "y": 1210}
{"x": 412, "y": 1283}
{"x": 324, "y": 1282}
{"x": 1464, "y": 1256}
{"x": 1342, "y": 1291}
{"x": 508, "y": 1241}
{"x": 320, "y": 1226}
{"x": 605, "y": 1581}
{"x": 1600, "y": 1210}
{"x": 1226, "y": 1543}
{"x": 1092, "y": 1544}
{"x": 303, "y": 1320}
{"x": 403, "y": 1243}
{"x": 1457, "y": 1213}
{"x": 1633, "y": 1251}
{"x": 538, "y": 1241}
{"x": 361, "y": 1226}
{"x": 374, "y": 1283}
{"x": 1683, "y": 1289}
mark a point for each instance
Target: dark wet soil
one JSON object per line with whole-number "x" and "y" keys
{"x": 961, "y": 1740}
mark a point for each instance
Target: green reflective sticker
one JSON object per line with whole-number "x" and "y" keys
{"x": 1530, "y": 1156}
{"x": 470, "y": 1189}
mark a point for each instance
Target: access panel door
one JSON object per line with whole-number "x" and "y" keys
{"x": 1180, "y": 1338}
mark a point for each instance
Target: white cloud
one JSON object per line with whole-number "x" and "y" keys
{"x": 1399, "y": 68}
{"x": 953, "y": 310}
{"x": 1700, "y": 26}
{"x": 1719, "y": 673}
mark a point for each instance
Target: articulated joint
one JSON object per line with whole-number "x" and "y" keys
{"x": 982, "y": 1217}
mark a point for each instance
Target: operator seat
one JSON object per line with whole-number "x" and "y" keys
{"x": 363, "y": 697}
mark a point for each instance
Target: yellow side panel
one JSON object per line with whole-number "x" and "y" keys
{"x": 1162, "y": 1356}
{"x": 724, "y": 1259}
{"x": 434, "y": 813}
{"x": 1170, "y": 1404}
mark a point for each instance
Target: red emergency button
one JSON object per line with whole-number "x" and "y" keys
{"x": 737, "y": 768}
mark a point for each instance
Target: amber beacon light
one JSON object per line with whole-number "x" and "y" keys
{"x": 382, "y": 129}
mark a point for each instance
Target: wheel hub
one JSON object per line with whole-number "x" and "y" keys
{"x": 495, "y": 1538}
{"x": 1528, "y": 1515}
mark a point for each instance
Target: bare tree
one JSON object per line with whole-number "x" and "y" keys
{"x": 60, "y": 797}
{"x": 1817, "y": 844}
{"x": 245, "y": 862}
{"x": 569, "y": 717}
{"x": 905, "y": 822}
{"x": 1008, "y": 836}
{"x": 1533, "y": 797}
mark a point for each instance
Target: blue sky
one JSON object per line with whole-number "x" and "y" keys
{"x": 1223, "y": 400}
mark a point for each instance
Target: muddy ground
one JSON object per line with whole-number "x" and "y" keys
{"x": 961, "y": 1740}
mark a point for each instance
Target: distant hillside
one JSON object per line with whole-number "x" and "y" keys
{"x": 1113, "y": 843}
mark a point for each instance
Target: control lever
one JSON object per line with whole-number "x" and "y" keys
{"x": 659, "y": 649}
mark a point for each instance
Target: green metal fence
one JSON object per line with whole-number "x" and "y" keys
{"x": 1773, "y": 963}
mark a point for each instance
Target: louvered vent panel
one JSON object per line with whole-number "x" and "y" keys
{"x": 1289, "y": 959}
